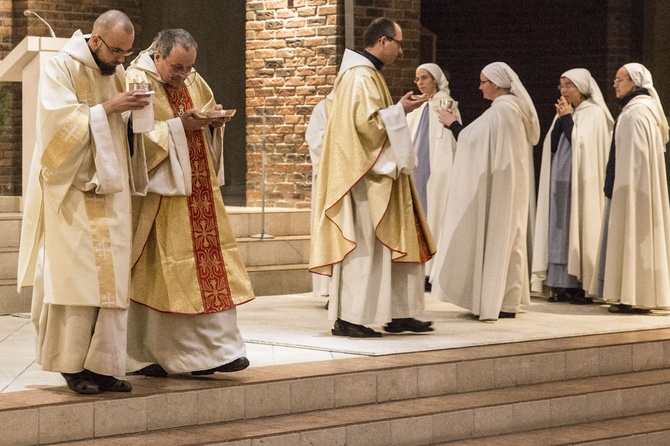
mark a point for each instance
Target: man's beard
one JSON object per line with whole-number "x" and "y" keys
{"x": 106, "y": 69}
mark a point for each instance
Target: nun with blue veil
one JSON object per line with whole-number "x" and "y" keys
{"x": 435, "y": 145}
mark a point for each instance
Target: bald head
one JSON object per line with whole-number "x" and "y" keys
{"x": 107, "y": 21}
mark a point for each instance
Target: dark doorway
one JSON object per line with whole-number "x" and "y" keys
{"x": 219, "y": 29}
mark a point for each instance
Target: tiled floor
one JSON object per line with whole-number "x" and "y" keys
{"x": 18, "y": 370}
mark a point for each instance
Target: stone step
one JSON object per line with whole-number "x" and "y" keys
{"x": 10, "y": 229}
{"x": 422, "y": 421}
{"x": 9, "y": 258}
{"x": 414, "y": 398}
{"x": 280, "y": 279}
{"x": 246, "y": 222}
{"x": 643, "y": 430}
{"x": 281, "y": 250}
{"x": 11, "y": 301}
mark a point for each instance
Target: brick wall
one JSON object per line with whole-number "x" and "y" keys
{"x": 291, "y": 64}
{"x": 293, "y": 50}
{"x": 65, "y": 17}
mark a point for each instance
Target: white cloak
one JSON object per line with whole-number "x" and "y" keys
{"x": 482, "y": 258}
{"x": 77, "y": 205}
{"x": 638, "y": 241}
{"x": 591, "y": 139}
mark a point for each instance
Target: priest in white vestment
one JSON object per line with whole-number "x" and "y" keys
{"x": 368, "y": 230}
{"x": 635, "y": 263}
{"x": 570, "y": 200}
{"x": 482, "y": 254}
{"x": 435, "y": 146}
{"x": 76, "y": 232}
{"x": 188, "y": 275}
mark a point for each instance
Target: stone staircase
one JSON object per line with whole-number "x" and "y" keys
{"x": 611, "y": 389}
{"x": 275, "y": 266}
{"x": 10, "y": 230}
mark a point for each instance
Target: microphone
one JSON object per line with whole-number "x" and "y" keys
{"x": 28, "y": 13}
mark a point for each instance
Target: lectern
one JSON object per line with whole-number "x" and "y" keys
{"x": 24, "y": 64}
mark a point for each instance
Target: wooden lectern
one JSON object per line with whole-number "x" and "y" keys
{"x": 24, "y": 64}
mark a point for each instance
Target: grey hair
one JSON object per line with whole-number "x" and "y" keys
{"x": 167, "y": 39}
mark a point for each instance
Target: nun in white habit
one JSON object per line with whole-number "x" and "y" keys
{"x": 570, "y": 200}
{"x": 635, "y": 262}
{"x": 482, "y": 254}
{"x": 435, "y": 146}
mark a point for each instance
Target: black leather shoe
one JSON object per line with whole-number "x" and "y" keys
{"x": 627, "y": 309}
{"x": 344, "y": 328}
{"x": 111, "y": 384}
{"x": 506, "y": 315}
{"x": 153, "y": 370}
{"x": 408, "y": 324}
{"x": 234, "y": 366}
{"x": 581, "y": 300}
{"x": 81, "y": 382}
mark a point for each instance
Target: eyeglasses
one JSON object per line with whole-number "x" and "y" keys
{"x": 618, "y": 81}
{"x": 566, "y": 86}
{"x": 422, "y": 78}
{"x": 188, "y": 73}
{"x": 399, "y": 42}
{"x": 482, "y": 82}
{"x": 117, "y": 51}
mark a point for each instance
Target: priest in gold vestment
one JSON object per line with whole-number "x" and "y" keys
{"x": 368, "y": 228}
{"x": 188, "y": 275}
{"x": 76, "y": 232}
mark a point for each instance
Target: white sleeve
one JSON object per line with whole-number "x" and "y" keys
{"x": 172, "y": 177}
{"x": 398, "y": 155}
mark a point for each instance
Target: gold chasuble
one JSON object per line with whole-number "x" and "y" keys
{"x": 355, "y": 139}
{"x": 186, "y": 259}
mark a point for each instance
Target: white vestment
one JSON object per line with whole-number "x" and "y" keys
{"x": 314, "y": 140}
{"x": 442, "y": 151}
{"x": 76, "y": 232}
{"x": 482, "y": 258}
{"x": 638, "y": 240}
{"x": 591, "y": 139}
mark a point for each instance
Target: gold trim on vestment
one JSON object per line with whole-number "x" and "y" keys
{"x": 63, "y": 142}
{"x": 102, "y": 248}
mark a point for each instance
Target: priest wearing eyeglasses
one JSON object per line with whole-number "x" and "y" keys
{"x": 188, "y": 275}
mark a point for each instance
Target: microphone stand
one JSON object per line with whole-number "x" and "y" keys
{"x": 28, "y": 13}
{"x": 263, "y": 235}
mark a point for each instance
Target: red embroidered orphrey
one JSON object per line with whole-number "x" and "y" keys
{"x": 209, "y": 263}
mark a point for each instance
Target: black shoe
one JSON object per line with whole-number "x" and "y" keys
{"x": 81, "y": 382}
{"x": 408, "y": 324}
{"x": 428, "y": 287}
{"x": 234, "y": 366}
{"x": 344, "y": 328}
{"x": 153, "y": 370}
{"x": 559, "y": 295}
{"x": 580, "y": 300}
{"x": 627, "y": 309}
{"x": 111, "y": 384}
{"x": 506, "y": 315}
